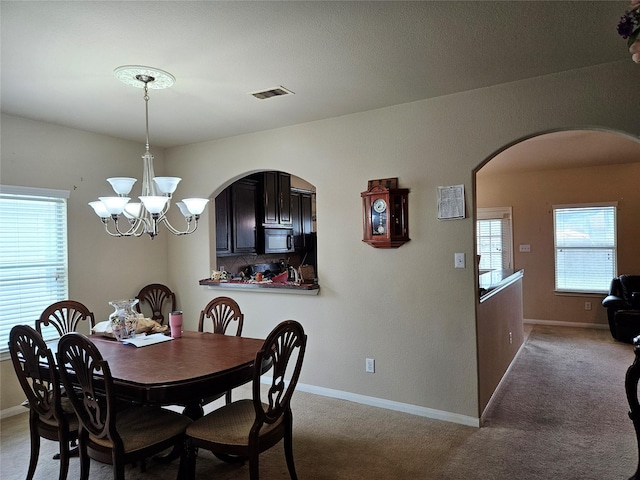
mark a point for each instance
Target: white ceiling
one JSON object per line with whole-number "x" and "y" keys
{"x": 338, "y": 57}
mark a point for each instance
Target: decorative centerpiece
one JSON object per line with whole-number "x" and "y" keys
{"x": 629, "y": 29}
{"x": 125, "y": 319}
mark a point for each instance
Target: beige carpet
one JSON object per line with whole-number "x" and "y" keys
{"x": 562, "y": 414}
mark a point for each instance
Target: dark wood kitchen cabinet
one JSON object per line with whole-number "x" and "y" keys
{"x": 277, "y": 199}
{"x": 236, "y": 221}
{"x": 223, "y": 223}
{"x": 301, "y": 216}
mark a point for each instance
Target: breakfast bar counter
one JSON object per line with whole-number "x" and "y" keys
{"x": 264, "y": 287}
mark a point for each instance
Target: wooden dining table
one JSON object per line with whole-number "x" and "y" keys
{"x": 181, "y": 371}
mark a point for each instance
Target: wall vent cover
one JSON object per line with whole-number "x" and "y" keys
{"x": 272, "y": 92}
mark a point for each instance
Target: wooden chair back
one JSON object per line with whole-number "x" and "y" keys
{"x": 87, "y": 379}
{"x": 222, "y": 311}
{"x": 65, "y": 316}
{"x": 159, "y": 298}
{"x": 285, "y": 343}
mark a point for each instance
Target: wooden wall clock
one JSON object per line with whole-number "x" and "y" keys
{"x": 385, "y": 210}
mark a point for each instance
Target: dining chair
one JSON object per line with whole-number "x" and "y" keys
{"x": 247, "y": 427}
{"x": 50, "y": 415}
{"x": 159, "y": 298}
{"x": 108, "y": 433}
{"x": 222, "y": 311}
{"x": 65, "y": 316}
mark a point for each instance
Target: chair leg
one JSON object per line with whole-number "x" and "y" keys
{"x": 254, "y": 466}
{"x": 35, "y": 451}
{"x": 118, "y": 469}
{"x": 288, "y": 447}
{"x": 84, "y": 456}
{"x": 228, "y": 397}
{"x": 64, "y": 458}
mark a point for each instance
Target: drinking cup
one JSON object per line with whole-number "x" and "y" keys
{"x": 175, "y": 323}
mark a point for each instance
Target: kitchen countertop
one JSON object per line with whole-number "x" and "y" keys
{"x": 492, "y": 281}
{"x": 266, "y": 287}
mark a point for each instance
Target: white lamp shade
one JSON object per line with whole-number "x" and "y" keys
{"x": 114, "y": 205}
{"x": 121, "y": 185}
{"x": 154, "y": 204}
{"x": 132, "y": 210}
{"x": 167, "y": 184}
{"x": 100, "y": 209}
{"x": 183, "y": 209}
{"x": 195, "y": 205}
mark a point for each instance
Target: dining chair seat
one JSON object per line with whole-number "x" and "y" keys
{"x": 141, "y": 427}
{"x": 229, "y": 426}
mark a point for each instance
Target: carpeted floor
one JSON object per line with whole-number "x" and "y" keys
{"x": 561, "y": 414}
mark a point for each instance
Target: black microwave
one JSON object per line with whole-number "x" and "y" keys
{"x": 278, "y": 240}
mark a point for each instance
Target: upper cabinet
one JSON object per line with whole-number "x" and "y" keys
{"x": 301, "y": 217}
{"x": 236, "y": 220}
{"x": 277, "y": 199}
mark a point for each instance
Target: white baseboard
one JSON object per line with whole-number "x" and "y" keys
{"x": 391, "y": 405}
{"x": 11, "y": 411}
{"x": 502, "y": 380}
{"x": 557, "y": 323}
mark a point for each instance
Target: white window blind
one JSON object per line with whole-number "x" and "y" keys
{"x": 494, "y": 238}
{"x": 585, "y": 247}
{"x": 33, "y": 255}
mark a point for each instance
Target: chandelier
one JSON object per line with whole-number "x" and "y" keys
{"x": 155, "y": 199}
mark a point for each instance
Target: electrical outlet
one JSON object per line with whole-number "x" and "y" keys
{"x": 370, "y": 365}
{"x": 587, "y": 305}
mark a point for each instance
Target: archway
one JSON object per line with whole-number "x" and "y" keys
{"x": 532, "y": 175}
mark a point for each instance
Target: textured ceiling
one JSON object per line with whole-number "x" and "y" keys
{"x": 338, "y": 57}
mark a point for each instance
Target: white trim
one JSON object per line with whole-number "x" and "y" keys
{"x": 40, "y": 192}
{"x": 585, "y": 205}
{"x": 557, "y": 323}
{"x": 502, "y": 380}
{"x": 391, "y": 405}
{"x": 12, "y": 411}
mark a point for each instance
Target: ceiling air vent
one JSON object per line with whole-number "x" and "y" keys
{"x": 272, "y": 92}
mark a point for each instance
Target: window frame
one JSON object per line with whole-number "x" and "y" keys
{"x": 614, "y": 248}
{"x": 57, "y": 241}
{"x": 505, "y": 215}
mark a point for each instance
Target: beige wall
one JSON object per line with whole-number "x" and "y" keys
{"x": 407, "y": 308}
{"x": 532, "y": 196}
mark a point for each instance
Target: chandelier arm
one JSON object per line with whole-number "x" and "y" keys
{"x": 133, "y": 231}
{"x": 190, "y": 222}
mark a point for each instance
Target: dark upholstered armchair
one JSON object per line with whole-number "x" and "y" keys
{"x": 623, "y": 307}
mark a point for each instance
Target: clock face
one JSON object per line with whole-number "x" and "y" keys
{"x": 380, "y": 205}
{"x": 379, "y": 217}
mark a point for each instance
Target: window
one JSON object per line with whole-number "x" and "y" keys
{"x": 33, "y": 255}
{"x": 585, "y": 247}
{"x": 493, "y": 238}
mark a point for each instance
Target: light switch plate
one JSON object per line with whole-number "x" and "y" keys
{"x": 459, "y": 260}
{"x": 525, "y": 248}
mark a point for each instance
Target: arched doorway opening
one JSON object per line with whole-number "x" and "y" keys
{"x": 264, "y": 221}
{"x": 530, "y": 177}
